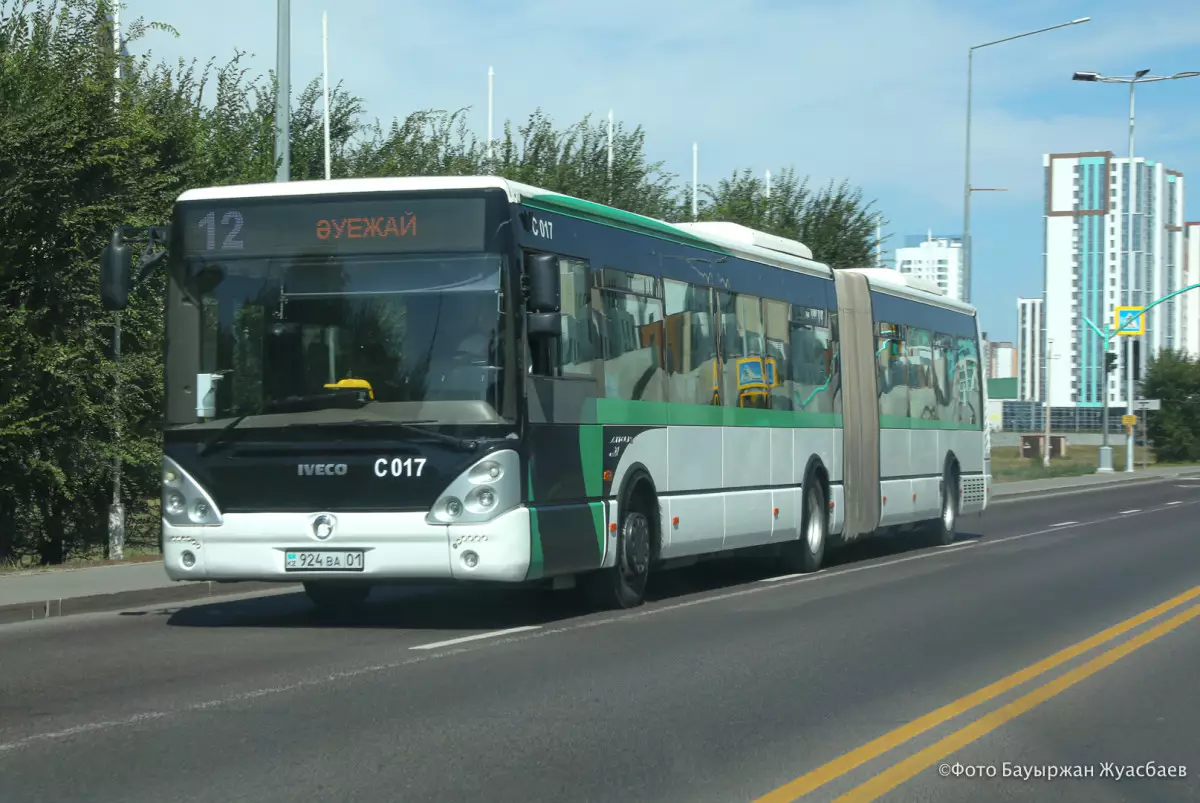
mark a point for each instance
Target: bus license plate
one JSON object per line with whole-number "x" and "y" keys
{"x": 323, "y": 560}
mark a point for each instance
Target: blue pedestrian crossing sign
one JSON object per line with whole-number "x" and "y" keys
{"x": 1130, "y": 321}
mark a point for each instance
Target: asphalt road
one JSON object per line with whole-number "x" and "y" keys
{"x": 730, "y": 686}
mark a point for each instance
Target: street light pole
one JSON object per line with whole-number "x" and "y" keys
{"x": 1131, "y": 271}
{"x": 1140, "y": 77}
{"x": 283, "y": 90}
{"x": 1048, "y": 408}
{"x": 967, "y": 171}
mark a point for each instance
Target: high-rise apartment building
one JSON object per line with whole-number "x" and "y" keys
{"x": 1031, "y": 329}
{"x": 1001, "y": 360}
{"x": 1087, "y": 274}
{"x": 937, "y": 259}
{"x": 1189, "y": 303}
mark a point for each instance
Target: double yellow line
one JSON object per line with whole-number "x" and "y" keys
{"x": 897, "y": 774}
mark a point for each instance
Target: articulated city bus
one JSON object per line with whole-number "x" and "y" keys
{"x": 372, "y": 381}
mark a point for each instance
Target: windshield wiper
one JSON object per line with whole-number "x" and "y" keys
{"x": 219, "y": 436}
{"x": 337, "y": 398}
{"x": 415, "y": 427}
{"x": 340, "y": 398}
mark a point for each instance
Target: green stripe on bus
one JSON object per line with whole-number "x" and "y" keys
{"x": 536, "y": 561}
{"x": 650, "y": 413}
{"x": 591, "y": 458}
{"x": 598, "y": 521}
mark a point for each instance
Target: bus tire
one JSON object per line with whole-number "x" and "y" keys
{"x": 335, "y": 597}
{"x": 623, "y": 585}
{"x": 807, "y": 552}
{"x": 943, "y": 530}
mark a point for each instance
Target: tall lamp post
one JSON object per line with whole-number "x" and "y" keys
{"x": 1140, "y": 77}
{"x": 967, "y": 172}
{"x": 283, "y": 93}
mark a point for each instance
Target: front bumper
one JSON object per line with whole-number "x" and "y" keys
{"x": 396, "y": 546}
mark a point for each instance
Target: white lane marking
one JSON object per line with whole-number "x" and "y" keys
{"x": 785, "y": 577}
{"x": 1052, "y": 529}
{"x": 1132, "y": 510}
{"x": 957, "y": 546}
{"x": 103, "y": 725}
{"x": 476, "y": 637}
{"x": 1064, "y": 524}
{"x": 1174, "y": 503}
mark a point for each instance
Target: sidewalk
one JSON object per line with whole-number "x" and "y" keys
{"x": 55, "y": 584}
{"x": 62, "y": 592}
{"x": 1006, "y": 490}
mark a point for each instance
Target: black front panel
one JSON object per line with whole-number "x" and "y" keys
{"x": 556, "y": 471}
{"x": 278, "y": 470}
{"x": 562, "y": 478}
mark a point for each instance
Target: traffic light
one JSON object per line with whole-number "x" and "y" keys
{"x": 1110, "y": 362}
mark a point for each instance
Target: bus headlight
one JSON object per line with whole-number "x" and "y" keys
{"x": 486, "y": 471}
{"x": 184, "y": 502}
{"x": 481, "y": 500}
{"x": 174, "y": 503}
{"x": 485, "y": 490}
{"x": 452, "y": 508}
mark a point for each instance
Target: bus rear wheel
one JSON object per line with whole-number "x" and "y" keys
{"x": 335, "y": 597}
{"x": 943, "y": 530}
{"x": 807, "y": 553}
{"x": 623, "y": 586}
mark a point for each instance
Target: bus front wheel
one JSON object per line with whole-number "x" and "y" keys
{"x": 623, "y": 585}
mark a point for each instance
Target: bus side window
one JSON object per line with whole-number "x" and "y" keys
{"x": 922, "y": 398}
{"x": 690, "y": 343}
{"x": 967, "y": 382}
{"x": 944, "y": 361}
{"x": 775, "y": 314}
{"x": 633, "y": 338}
{"x": 577, "y": 347}
{"x": 893, "y": 374}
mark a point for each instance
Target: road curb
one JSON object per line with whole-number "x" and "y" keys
{"x": 1070, "y": 490}
{"x": 103, "y": 603}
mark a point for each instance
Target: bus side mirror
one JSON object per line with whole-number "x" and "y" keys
{"x": 543, "y": 318}
{"x": 116, "y": 265}
{"x": 545, "y": 291}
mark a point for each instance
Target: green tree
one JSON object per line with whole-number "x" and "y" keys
{"x": 80, "y": 152}
{"x": 575, "y": 162}
{"x": 1174, "y": 377}
{"x": 834, "y": 221}
{"x": 83, "y": 151}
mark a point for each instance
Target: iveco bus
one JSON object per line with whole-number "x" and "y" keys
{"x": 376, "y": 380}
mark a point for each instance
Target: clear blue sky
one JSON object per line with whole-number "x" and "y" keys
{"x": 869, "y": 90}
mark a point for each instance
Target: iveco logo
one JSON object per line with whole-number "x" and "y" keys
{"x": 323, "y": 526}
{"x": 321, "y": 469}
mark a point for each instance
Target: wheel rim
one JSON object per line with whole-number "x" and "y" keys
{"x": 948, "y": 512}
{"x": 815, "y": 534}
{"x": 635, "y": 545}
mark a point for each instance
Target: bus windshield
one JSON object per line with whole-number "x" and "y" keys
{"x": 403, "y": 332}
